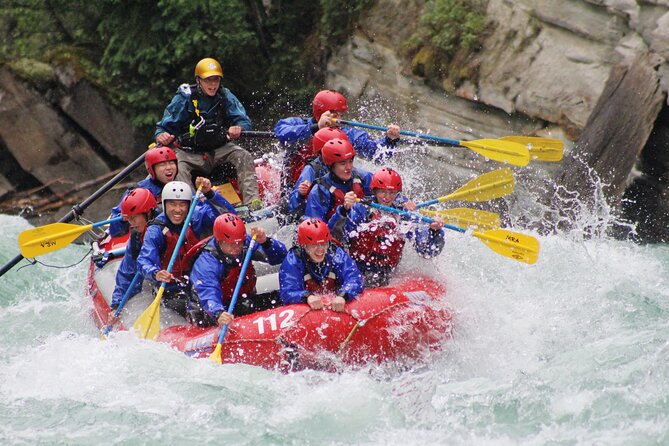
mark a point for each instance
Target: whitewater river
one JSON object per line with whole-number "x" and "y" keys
{"x": 571, "y": 350}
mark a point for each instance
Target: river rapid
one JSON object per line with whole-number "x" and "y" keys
{"x": 571, "y": 350}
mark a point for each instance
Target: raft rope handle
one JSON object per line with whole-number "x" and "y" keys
{"x": 360, "y": 323}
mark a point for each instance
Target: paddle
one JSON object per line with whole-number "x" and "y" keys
{"x": 125, "y": 299}
{"x": 215, "y": 356}
{"x": 488, "y": 186}
{"x": 495, "y": 149}
{"x": 541, "y": 149}
{"x": 257, "y": 134}
{"x": 79, "y": 208}
{"x": 147, "y": 324}
{"x": 521, "y": 247}
{"x": 466, "y": 217}
{"x": 44, "y": 239}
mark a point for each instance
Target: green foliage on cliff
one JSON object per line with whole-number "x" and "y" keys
{"x": 452, "y": 24}
{"x": 138, "y": 52}
{"x": 449, "y": 30}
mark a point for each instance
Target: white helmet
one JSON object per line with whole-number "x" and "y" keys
{"x": 177, "y": 190}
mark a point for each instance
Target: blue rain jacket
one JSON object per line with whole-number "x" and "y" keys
{"x": 291, "y": 131}
{"x": 180, "y": 112}
{"x": 208, "y": 271}
{"x": 297, "y": 264}
{"x": 319, "y": 200}
{"x": 201, "y": 223}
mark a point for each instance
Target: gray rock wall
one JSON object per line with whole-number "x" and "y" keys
{"x": 542, "y": 70}
{"x": 61, "y": 138}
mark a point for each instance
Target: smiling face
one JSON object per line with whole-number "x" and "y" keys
{"x": 316, "y": 252}
{"x": 165, "y": 171}
{"x": 385, "y": 197}
{"x": 176, "y": 210}
{"x": 210, "y": 85}
{"x": 343, "y": 169}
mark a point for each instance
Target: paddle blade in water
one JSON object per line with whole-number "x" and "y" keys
{"x": 215, "y": 356}
{"x": 541, "y": 149}
{"x": 521, "y": 247}
{"x": 499, "y": 150}
{"x": 147, "y": 325}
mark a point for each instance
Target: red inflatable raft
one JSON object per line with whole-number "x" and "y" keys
{"x": 403, "y": 321}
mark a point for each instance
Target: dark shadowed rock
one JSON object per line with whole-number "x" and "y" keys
{"x": 40, "y": 139}
{"x": 56, "y": 139}
{"x": 612, "y": 139}
{"x": 109, "y": 128}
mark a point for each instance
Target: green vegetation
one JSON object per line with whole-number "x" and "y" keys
{"x": 448, "y": 30}
{"x": 139, "y": 52}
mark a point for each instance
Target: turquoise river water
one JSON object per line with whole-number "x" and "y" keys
{"x": 571, "y": 350}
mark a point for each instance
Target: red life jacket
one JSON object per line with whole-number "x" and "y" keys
{"x": 377, "y": 243}
{"x": 328, "y": 286}
{"x": 182, "y": 264}
{"x": 337, "y": 195}
{"x": 229, "y": 282}
{"x": 300, "y": 158}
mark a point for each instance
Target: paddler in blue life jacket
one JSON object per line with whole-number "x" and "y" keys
{"x": 201, "y": 121}
{"x": 137, "y": 208}
{"x": 216, "y": 271}
{"x": 161, "y": 164}
{"x": 163, "y": 233}
{"x": 311, "y": 171}
{"x": 328, "y": 191}
{"x": 327, "y": 106}
{"x": 375, "y": 238}
{"x": 317, "y": 272}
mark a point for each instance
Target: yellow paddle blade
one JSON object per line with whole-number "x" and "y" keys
{"x": 215, "y": 356}
{"x": 44, "y": 239}
{"x": 498, "y": 150}
{"x": 488, "y": 186}
{"x": 147, "y": 325}
{"x": 465, "y": 218}
{"x": 541, "y": 149}
{"x": 521, "y": 247}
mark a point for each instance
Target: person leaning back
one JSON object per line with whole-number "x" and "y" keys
{"x": 201, "y": 121}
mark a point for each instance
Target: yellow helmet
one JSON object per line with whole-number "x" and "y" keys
{"x": 208, "y": 67}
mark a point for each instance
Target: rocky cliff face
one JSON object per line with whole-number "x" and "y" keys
{"x": 591, "y": 72}
{"x": 57, "y": 139}
{"x": 542, "y": 70}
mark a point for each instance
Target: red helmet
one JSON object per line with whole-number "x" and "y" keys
{"x": 313, "y": 231}
{"x": 328, "y": 100}
{"x": 156, "y": 155}
{"x": 138, "y": 201}
{"x": 337, "y": 150}
{"x": 386, "y": 178}
{"x": 324, "y": 135}
{"x": 229, "y": 228}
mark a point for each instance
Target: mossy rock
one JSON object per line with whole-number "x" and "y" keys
{"x": 33, "y": 71}
{"x": 428, "y": 63}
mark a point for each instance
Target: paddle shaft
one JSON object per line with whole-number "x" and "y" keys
{"x": 416, "y": 217}
{"x": 125, "y": 298}
{"x": 79, "y": 208}
{"x": 257, "y": 134}
{"x": 238, "y": 287}
{"x": 447, "y": 141}
{"x": 173, "y": 259}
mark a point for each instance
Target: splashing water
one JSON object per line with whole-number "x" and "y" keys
{"x": 570, "y": 350}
